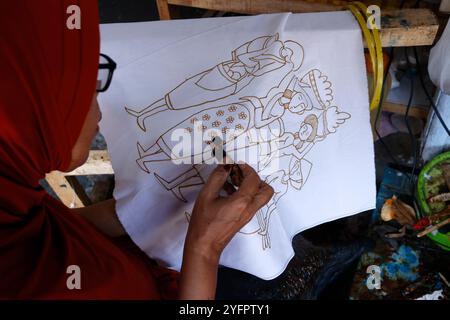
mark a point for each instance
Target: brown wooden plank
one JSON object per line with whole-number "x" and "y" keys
{"x": 399, "y": 28}
{"x": 67, "y": 187}
{"x": 163, "y": 9}
{"x": 398, "y": 108}
{"x": 63, "y": 189}
{"x": 79, "y": 190}
{"x": 408, "y": 27}
{"x": 262, "y": 6}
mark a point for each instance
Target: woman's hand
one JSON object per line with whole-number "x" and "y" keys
{"x": 215, "y": 219}
{"x": 214, "y": 222}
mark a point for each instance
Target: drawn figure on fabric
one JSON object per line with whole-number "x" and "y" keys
{"x": 291, "y": 97}
{"x": 251, "y": 60}
{"x": 319, "y": 120}
{"x": 235, "y": 119}
{"x": 295, "y": 176}
{"x": 280, "y": 127}
{"x": 312, "y": 91}
{"x": 294, "y": 146}
{"x": 298, "y": 144}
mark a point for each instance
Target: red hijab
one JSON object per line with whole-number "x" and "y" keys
{"x": 47, "y": 81}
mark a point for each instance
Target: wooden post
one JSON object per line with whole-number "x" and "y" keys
{"x": 163, "y": 9}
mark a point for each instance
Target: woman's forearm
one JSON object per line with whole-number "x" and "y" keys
{"x": 198, "y": 275}
{"x": 104, "y": 217}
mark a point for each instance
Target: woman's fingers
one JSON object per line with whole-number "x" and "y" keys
{"x": 251, "y": 181}
{"x": 236, "y": 175}
{"x": 215, "y": 220}
{"x": 215, "y": 182}
{"x": 229, "y": 188}
{"x": 252, "y": 193}
{"x": 263, "y": 196}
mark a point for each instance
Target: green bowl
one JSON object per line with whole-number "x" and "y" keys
{"x": 427, "y": 189}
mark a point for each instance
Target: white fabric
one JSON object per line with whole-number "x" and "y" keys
{"x": 439, "y": 62}
{"x": 187, "y": 70}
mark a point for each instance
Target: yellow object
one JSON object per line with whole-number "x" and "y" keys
{"x": 373, "y": 41}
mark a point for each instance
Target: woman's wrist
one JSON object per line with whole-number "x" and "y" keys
{"x": 198, "y": 272}
{"x": 203, "y": 250}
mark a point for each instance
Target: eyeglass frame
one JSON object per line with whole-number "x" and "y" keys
{"x": 111, "y": 66}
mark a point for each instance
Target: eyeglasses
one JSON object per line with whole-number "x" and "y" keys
{"x": 106, "y": 69}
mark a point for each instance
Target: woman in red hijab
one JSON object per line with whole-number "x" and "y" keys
{"x": 48, "y": 117}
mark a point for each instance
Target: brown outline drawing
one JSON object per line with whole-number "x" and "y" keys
{"x": 264, "y": 214}
{"x": 253, "y": 59}
{"x": 161, "y": 151}
{"x": 310, "y": 94}
{"x": 189, "y": 178}
{"x": 261, "y": 112}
